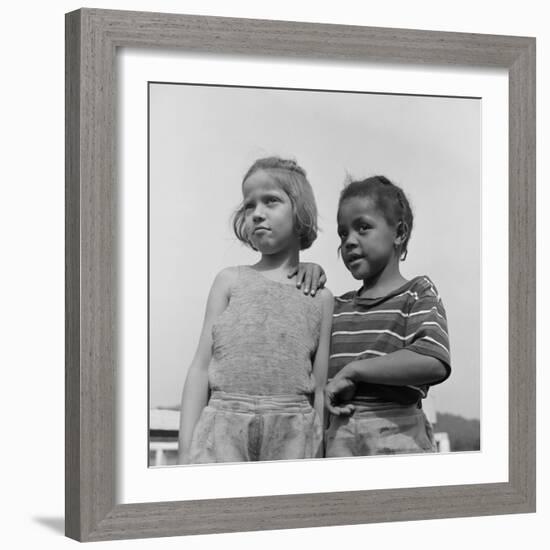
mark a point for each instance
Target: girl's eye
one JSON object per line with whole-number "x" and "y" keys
{"x": 342, "y": 235}
{"x": 364, "y": 227}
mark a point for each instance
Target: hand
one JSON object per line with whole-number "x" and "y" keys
{"x": 310, "y": 277}
{"x": 337, "y": 391}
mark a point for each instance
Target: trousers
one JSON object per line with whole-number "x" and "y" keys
{"x": 242, "y": 428}
{"x": 400, "y": 430}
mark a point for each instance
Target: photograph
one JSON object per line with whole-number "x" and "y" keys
{"x": 314, "y": 274}
{"x": 270, "y": 275}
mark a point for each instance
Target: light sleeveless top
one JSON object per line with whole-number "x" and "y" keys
{"x": 265, "y": 340}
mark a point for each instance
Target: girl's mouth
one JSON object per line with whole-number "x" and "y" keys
{"x": 353, "y": 260}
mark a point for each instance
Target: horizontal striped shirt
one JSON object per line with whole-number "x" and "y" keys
{"x": 411, "y": 317}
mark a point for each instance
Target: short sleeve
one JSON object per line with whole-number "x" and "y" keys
{"x": 427, "y": 332}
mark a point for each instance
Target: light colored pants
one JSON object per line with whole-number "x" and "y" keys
{"x": 402, "y": 430}
{"x": 242, "y": 428}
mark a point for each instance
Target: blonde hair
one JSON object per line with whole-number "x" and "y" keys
{"x": 292, "y": 179}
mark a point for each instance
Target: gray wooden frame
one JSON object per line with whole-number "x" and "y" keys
{"x": 92, "y": 39}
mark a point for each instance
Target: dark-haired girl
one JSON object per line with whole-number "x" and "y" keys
{"x": 389, "y": 338}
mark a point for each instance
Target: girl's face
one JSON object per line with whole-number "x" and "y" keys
{"x": 269, "y": 215}
{"x": 367, "y": 240}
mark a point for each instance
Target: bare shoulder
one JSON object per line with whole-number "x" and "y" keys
{"x": 228, "y": 274}
{"x": 326, "y": 297}
{"x": 225, "y": 279}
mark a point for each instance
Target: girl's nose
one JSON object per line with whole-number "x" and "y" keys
{"x": 258, "y": 213}
{"x": 350, "y": 242}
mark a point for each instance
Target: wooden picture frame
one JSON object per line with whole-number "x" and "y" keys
{"x": 92, "y": 39}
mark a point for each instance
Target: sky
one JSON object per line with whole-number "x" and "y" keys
{"x": 204, "y": 138}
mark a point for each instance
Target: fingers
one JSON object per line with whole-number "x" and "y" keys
{"x": 303, "y": 277}
{"x": 347, "y": 410}
{"x": 333, "y": 406}
{"x": 340, "y": 410}
{"x": 315, "y": 275}
{"x": 307, "y": 282}
{"x": 299, "y": 271}
{"x": 333, "y": 410}
{"x": 330, "y": 404}
{"x": 318, "y": 278}
{"x": 309, "y": 277}
{"x": 338, "y": 392}
{"x": 293, "y": 271}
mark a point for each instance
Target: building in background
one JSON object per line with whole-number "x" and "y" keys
{"x": 163, "y": 437}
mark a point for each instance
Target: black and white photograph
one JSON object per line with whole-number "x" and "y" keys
{"x": 314, "y": 274}
{"x": 270, "y": 275}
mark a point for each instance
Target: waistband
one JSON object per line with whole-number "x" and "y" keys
{"x": 393, "y": 410}
{"x": 259, "y": 403}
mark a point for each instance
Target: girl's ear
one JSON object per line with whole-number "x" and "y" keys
{"x": 401, "y": 236}
{"x": 401, "y": 233}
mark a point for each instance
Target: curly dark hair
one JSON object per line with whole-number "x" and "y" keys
{"x": 390, "y": 200}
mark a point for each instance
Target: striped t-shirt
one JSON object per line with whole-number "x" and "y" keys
{"x": 411, "y": 317}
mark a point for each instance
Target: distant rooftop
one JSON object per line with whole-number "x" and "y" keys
{"x": 164, "y": 419}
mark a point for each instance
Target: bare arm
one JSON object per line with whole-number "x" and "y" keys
{"x": 400, "y": 368}
{"x": 195, "y": 391}
{"x": 320, "y": 364}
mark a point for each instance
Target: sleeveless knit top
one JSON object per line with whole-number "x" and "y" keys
{"x": 265, "y": 340}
